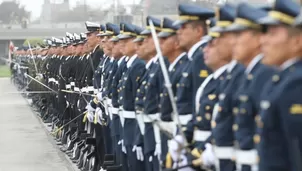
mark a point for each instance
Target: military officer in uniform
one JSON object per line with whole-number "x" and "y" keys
{"x": 277, "y": 139}
{"x": 129, "y": 86}
{"x": 247, "y": 51}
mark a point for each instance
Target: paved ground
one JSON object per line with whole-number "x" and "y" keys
{"x": 24, "y": 143}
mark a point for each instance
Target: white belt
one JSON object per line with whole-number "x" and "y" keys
{"x": 68, "y": 86}
{"x": 114, "y": 110}
{"x": 76, "y": 89}
{"x": 72, "y": 83}
{"x": 109, "y": 102}
{"x": 149, "y": 118}
{"x": 90, "y": 88}
{"x": 96, "y": 91}
{"x": 84, "y": 89}
{"x": 184, "y": 119}
{"x": 201, "y": 135}
{"x": 224, "y": 152}
{"x": 51, "y": 80}
{"x": 246, "y": 157}
{"x": 129, "y": 114}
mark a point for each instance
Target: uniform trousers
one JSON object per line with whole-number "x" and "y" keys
{"x": 133, "y": 163}
{"x": 151, "y": 165}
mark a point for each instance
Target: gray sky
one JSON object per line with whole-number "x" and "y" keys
{"x": 35, "y": 5}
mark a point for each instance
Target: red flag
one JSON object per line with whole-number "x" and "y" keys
{"x": 11, "y": 48}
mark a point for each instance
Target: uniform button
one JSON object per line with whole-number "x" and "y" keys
{"x": 161, "y": 95}
{"x": 235, "y": 127}
{"x": 208, "y": 107}
{"x": 257, "y": 139}
{"x": 242, "y": 111}
{"x": 208, "y": 116}
{"x": 146, "y": 87}
{"x": 235, "y": 110}
{"x": 213, "y": 124}
{"x": 138, "y": 90}
{"x": 182, "y": 85}
{"x": 177, "y": 85}
{"x": 144, "y": 98}
{"x": 136, "y": 99}
{"x": 199, "y": 118}
{"x": 276, "y": 78}
{"x": 250, "y": 77}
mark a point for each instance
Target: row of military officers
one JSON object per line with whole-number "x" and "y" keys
{"x": 213, "y": 90}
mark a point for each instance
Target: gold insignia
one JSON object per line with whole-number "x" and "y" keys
{"x": 242, "y": 111}
{"x": 276, "y": 78}
{"x": 221, "y": 96}
{"x": 265, "y": 104}
{"x": 185, "y": 74}
{"x": 199, "y": 118}
{"x": 243, "y": 98}
{"x": 257, "y": 138}
{"x": 295, "y": 109}
{"x": 235, "y": 110}
{"x": 250, "y": 77}
{"x": 196, "y": 153}
{"x": 208, "y": 116}
{"x": 212, "y": 96}
{"x": 208, "y": 107}
{"x": 235, "y": 127}
{"x": 203, "y": 73}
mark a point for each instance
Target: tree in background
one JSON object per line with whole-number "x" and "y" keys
{"x": 33, "y": 42}
{"x": 11, "y": 12}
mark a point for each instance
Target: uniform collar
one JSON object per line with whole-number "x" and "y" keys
{"x": 253, "y": 63}
{"x": 131, "y": 60}
{"x": 196, "y": 46}
{"x": 172, "y": 65}
{"x": 120, "y": 60}
{"x": 219, "y": 71}
{"x": 289, "y": 63}
{"x": 149, "y": 63}
{"x": 111, "y": 59}
{"x": 155, "y": 58}
{"x": 231, "y": 65}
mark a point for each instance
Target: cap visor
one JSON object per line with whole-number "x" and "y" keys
{"x": 138, "y": 40}
{"x": 268, "y": 21}
{"x": 115, "y": 39}
{"x": 123, "y": 36}
{"x": 105, "y": 34}
{"x": 164, "y": 34}
{"x": 217, "y": 29}
{"x": 236, "y": 28}
{"x": 88, "y": 32}
{"x": 145, "y": 32}
{"x": 179, "y": 22}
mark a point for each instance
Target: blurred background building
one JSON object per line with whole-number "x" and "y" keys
{"x": 59, "y": 16}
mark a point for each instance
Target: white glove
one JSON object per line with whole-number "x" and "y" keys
{"x": 39, "y": 76}
{"x": 183, "y": 161}
{"x": 139, "y": 153}
{"x": 25, "y": 75}
{"x": 67, "y": 104}
{"x": 90, "y": 117}
{"x": 157, "y": 151}
{"x": 208, "y": 157}
{"x": 99, "y": 113}
{"x": 90, "y": 108}
{"x": 78, "y": 104}
{"x": 121, "y": 142}
{"x": 100, "y": 97}
{"x": 175, "y": 147}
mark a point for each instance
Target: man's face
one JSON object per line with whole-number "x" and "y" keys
{"x": 149, "y": 47}
{"x": 128, "y": 46}
{"x": 187, "y": 35}
{"x": 211, "y": 54}
{"x": 274, "y": 45}
{"x": 139, "y": 46}
{"x": 116, "y": 52}
{"x": 246, "y": 43}
{"x": 92, "y": 39}
{"x": 167, "y": 45}
{"x": 225, "y": 44}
